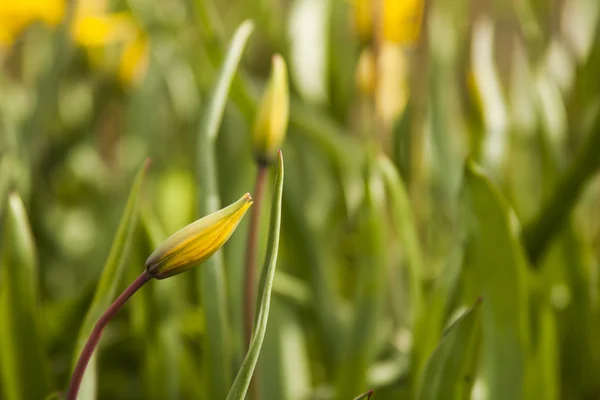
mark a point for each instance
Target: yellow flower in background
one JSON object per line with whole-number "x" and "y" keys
{"x": 197, "y": 242}
{"x": 16, "y": 15}
{"x": 92, "y": 28}
{"x": 401, "y": 19}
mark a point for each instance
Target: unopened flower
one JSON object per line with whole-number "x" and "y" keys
{"x": 400, "y": 19}
{"x": 195, "y": 243}
{"x": 273, "y": 114}
{"x": 365, "y": 72}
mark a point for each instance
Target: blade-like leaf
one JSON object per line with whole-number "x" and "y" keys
{"x": 497, "y": 266}
{"x": 217, "y": 352}
{"x": 25, "y": 373}
{"x": 263, "y": 301}
{"x": 449, "y": 372}
{"x": 406, "y": 230}
{"x": 361, "y": 340}
{"x": 109, "y": 281}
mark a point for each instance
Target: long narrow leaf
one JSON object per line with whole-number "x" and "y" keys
{"x": 110, "y": 279}
{"x": 361, "y": 341}
{"x": 217, "y": 349}
{"x": 263, "y": 301}
{"x": 449, "y": 372}
{"x": 497, "y": 261}
{"x": 25, "y": 373}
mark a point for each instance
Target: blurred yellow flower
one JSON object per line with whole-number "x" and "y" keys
{"x": 92, "y": 27}
{"x": 401, "y": 19}
{"x": 194, "y": 244}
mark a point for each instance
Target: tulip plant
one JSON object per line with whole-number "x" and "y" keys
{"x": 436, "y": 236}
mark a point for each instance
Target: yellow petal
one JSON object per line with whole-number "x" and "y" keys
{"x": 195, "y": 243}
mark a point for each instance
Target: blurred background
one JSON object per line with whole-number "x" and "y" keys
{"x": 384, "y": 241}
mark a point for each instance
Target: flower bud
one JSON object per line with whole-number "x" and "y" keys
{"x": 272, "y": 116}
{"x": 194, "y": 244}
{"x": 365, "y": 72}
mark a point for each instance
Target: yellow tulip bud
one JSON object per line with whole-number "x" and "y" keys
{"x": 273, "y": 114}
{"x": 197, "y": 242}
{"x": 365, "y": 72}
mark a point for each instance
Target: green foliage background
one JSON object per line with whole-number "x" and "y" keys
{"x": 455, "y": 258}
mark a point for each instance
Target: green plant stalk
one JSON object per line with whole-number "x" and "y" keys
{"x": 94, "y": 338}
{"x": 250, "y": 271}
{"x": 538, "y": 234}
{"x": 263, "y": 300}
{"x": 366, "y": 395}
{"x": 218, "y": 350}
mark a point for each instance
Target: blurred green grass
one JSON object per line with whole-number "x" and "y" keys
{"x": 461, "y": 162}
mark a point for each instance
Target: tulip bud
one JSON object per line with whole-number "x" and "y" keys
{"x": 194, "y": 244}
{"x": 365, "y": 72}
{"x": 272, "y": 116}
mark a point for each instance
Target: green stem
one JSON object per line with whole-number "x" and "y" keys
{"x": 538, "y": 234}
{"x": 94, "y": 338}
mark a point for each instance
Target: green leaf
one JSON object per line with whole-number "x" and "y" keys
{"x": 496, "y": 263}
{"x": 217, "y": 351}
{"x": 449, "y": 372}
{"x": 263, "y": 301}
{"x": 214, "y": 112}
{"x": 25, "y": 373}
{"x": 404, "y": 223}
{"x": 360, "y": 349}
{"x": 109, "y": 281}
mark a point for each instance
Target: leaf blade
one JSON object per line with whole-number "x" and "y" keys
{"x": 450, "y": 368}
{"x": 265, "y": 286}
{"x": 22, "y": 358}
{"x": 497, "y": 261}
{"x": 109, "y": 280}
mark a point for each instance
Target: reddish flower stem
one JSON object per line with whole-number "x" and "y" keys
{"x": 250, "y": 271}
{"x": 94, "y": 338}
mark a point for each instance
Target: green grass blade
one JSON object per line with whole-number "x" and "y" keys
{"x": 404, "y": 222}
{"x": 110, "y": 279}
{"x": 25, "y": 373}
{"x": 214, "y": 113}
{"x": 449, "y": 372}
{"x": 499, "y": 271}
{"x": 360, "y": 349}
{"x": 217, "y": 346}
{"x": 263, "y": 301}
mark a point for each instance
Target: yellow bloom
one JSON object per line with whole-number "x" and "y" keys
{"x": 401, "y": 19}
{"x": 92, "y": 28}
{"x": 197, "y": 242}
{"x": 273, "y": 114}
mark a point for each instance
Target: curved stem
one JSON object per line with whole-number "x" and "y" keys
{"x": 92, "y": 342}
{"x": 250, "y": 271}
